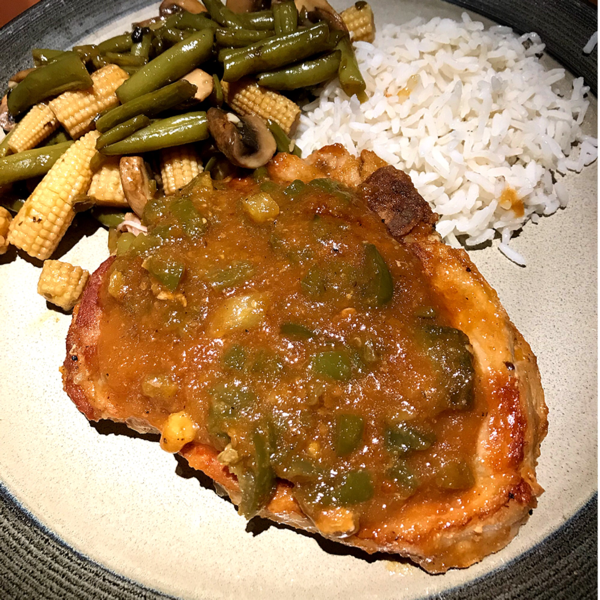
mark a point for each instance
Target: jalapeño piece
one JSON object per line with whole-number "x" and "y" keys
{"x": 192, "y": 222}
{"x": 348, "y": 433}
{"x": 403, "y": 439}
{"x": 334, "y": 364}
{"x": 356, "y": 487}
{"x": 379, "y": 287}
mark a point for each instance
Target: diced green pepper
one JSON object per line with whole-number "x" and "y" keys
{"x": 235, "y": 273}
{"x": 267, "y": 363}
{"x": 192, "y": 222}
{"x": 159, "y": 386}
{"x": 228, "y": 400}
{"x": 124, "y": 243}
{"x": 295, "y": 330}
{"x": 455, "y": 476}
{"x": 334, "y": 364}
{"x": 425, "y": 312}
{"x": 379, "y": 287}
{"x": 234, "y": 357}
{"x": 448, "y": 349}
{"x": 154, "y": 211}
{"x": 314, "y": 283}
{"x": 167, "y": 271}
{"x": 404, "y": 477}
{"x": 144, "y": 242}
{"x": 295, "y": 188}
{"x": 348, "y": 433}
{"x": 357, "y": 487}
{"x": 404, "y": 438}
{"x": 269, "y": 187}
{"x": 299, "y": 470}
{"x": 258, "y": 483}
{"x": 332, "y": 187}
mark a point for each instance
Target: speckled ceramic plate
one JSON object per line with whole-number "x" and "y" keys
{"x": 95, "y": 511}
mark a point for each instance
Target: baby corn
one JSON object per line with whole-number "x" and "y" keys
{"x": 77, "y": 110}
{"x": 249, "y": 98}
{"x": 35, "y": 126}
{"x": 44, "y": 218}
{"x": 360, "y": 22}
{"x": 5, "y": 220}
{"x": 62, "y": 283}
{"x": 178, "y": 166}
{"x": 106, "y": 188}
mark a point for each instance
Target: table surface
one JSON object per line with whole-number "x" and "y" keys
{"x": 9, "y": 10}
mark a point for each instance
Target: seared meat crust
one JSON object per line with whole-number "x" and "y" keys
{"x": 477, "y": 522}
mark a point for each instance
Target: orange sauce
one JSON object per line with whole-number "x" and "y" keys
{"x": 510, "y": 201}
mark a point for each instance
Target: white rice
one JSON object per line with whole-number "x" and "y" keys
{"x": 467, "y": 113}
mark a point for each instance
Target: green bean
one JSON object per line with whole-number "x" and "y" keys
{"x": 186, "y": 20}
{"x": 351, "y": 79}
{"x": 170, "y": 66}
{"x": 216, "y": 96}
{"x": 131, "y": 70}
{"x": 221, "y": 14}
{"x": 303, "y": 75}
{"x": 333, "y": 364}
{"x": 43, "y": 56}
{"x": 12, "y": 203}
{"x": 284, "y": 144}
{"x": 124, "y": 60}
{"x": 120, "y": 132}
{"x": 109, "y": 217}
{"x": 285, "y": 17}
{"x": 65, "y": 73}
{"x": 97, "y": 161}
{"x": 149, "y": 104}
{"x": 119, "y": 43}
{"x": 165, "y": 133}
{"x": 143, "y": 48}
{"x": 89, "y": 53}
{"x": 171, "y": 35}
{"x": 58, "y": 137}
{"x": 239, "y": 38}
{"x": 4, "y": 149}
{"x": 274, "y": 52}
{"x": 30, "y": 163}
{"x": 262, "y": 19}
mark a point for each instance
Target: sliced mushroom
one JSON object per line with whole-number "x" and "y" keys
{"x": 244, "y": 6}
{"x": 203, "y": 82}
{"x": 322, "y": 10}
{"x": 168, "y": 7}
{"x": 6, "y": 120}
{"x": 245, "y": 141}
{"x": 137, "y": 185}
